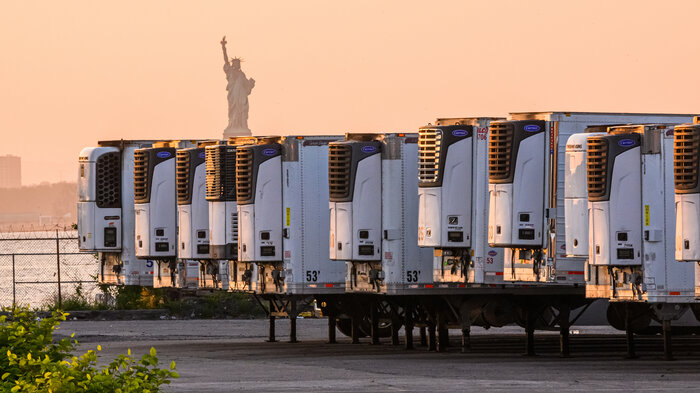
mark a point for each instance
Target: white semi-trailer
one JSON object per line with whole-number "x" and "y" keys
{"x": 223, "y": 218}
{"x": 193, "y": 219}
{"x": 453, "y": 202}
{"x": 373, "y": 200}
{"x": 631, "y": 217}
{"x": 282, "y": 186}
{"x": 106, "y": 211}
{"x": 155, "y": 207}
{"x": 631, "y": 227}
{"x": 373, "y": 182}
{"x": 576, "y": 192}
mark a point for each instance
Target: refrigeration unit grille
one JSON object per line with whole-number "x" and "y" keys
{"x": 213, "y": 172}
{"x": 234, "y": 225}
{"x": 429, "y": 143}
{"x": 141, "y": 176}
{"x": 244, "y": 175}
{"x": 597, "y": 166}
{"x": 221, "y": 174}
{"x": 339, "y": 167}
{"x": 500, "y": 150}
{"x": 108, "y": 182}
{"x": 685, "y": 157}
{"x": 182, "y": 176}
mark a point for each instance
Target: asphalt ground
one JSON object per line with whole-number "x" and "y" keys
{"x": 232, "y": 355}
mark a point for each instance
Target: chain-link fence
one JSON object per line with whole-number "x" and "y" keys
{"x": 44, "y": 267}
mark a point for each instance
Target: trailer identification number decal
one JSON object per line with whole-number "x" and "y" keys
{"x": 412, "y": 275}
{"x": 312, "y": 275}
{"x": 646, "y": 215}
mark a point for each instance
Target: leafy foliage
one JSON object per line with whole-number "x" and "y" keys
{"x": 30, "y": 361}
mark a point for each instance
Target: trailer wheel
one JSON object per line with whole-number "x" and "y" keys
{"x": 641, "y": 316}
{"x": 695, "y": 308}
{"x": 384, "y": 327}
{"x": 344, "y": 326}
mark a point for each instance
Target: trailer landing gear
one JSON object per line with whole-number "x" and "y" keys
{"x": 331, "y": 328}
{"x": 530, "y": 316}
{"x": 629, "y": 333}
{"x": 408, "y": 332}
{"x": 668, "y": 347}
{"x": 564, "y": 325}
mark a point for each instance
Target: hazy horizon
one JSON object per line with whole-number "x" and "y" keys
{"x": 77, "y": 72}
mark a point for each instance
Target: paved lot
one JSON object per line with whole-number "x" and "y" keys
{"x": 231, "y": 355}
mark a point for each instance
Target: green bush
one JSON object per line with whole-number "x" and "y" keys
{"x": 76, "y": 302}
{"x": 30, "y": 361}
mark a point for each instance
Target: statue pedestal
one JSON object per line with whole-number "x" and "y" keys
{"x": 229, "y": 132}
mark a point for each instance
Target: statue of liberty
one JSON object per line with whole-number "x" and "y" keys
{"x": 238, "y": 87}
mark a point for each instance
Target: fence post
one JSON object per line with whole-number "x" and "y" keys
{"x": 58, "y": 267}
{"x": 14, "y": 289}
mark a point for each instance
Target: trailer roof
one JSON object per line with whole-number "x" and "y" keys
{"x": 568, "y": 113}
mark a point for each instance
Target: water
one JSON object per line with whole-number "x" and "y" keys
{"x": 36, "y": 268}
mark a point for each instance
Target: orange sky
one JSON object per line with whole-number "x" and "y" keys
{"x": 74, "y": 72}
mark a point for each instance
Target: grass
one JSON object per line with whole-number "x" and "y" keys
{"x": 214, "y": 305}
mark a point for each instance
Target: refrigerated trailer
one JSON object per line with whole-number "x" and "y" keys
{"x": 282, "y": 194}
{"x": 155, "y": 207}
{"x": 373, "y": 184}
{"x": 686, "y": 167}
{"x": 631, "y": 231}
{"x": 526, "y": 190}
{"x": 453, "y": 201}
{"x": 106, "y": 211}
{"x": 281, "y": 190}
{"x": 576, "y": 191}
{"x": 630, "y": 178}
{"x": 223, "y": 218}
{"x": 194, "y": 268}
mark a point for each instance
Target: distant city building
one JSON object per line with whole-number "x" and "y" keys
{"x": 10, "y": 171}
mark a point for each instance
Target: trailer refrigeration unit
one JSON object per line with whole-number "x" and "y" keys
{"x": 282, "y": 182}
{"x": 106, "y": 211}
{"x": 631, "y": 230}
{"x": 453, "y": 202}
{"x": 155, "y": 207}
{"x": 193, "y": 220}
{"x": 258, "y": 182}
{"x": 223, "y": 217}
{"x": 526, "y": 190}
{"x": 373, "y": 183}
{"x": 576, "y": 192}
{"x": 686, "y": 168}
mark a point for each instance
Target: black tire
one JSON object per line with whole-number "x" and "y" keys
{"x": 641, "y": 316}
{"x": 344, "y": 325}
{"x": 384, "y": 327}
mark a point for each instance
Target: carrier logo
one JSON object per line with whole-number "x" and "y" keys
{"x": 532, "y": 128}
{"x": 459, "y": 133}
{"x": 626, "y": 142}
{"x": 368, "y": 149}
{"x": 269, "y": 152}
{"x": 201, "y": 155}
{"x": 492, "y": 253}
{"x": 163, "y": 154}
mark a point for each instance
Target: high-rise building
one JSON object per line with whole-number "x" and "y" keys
{"x": 10, "y": 171}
